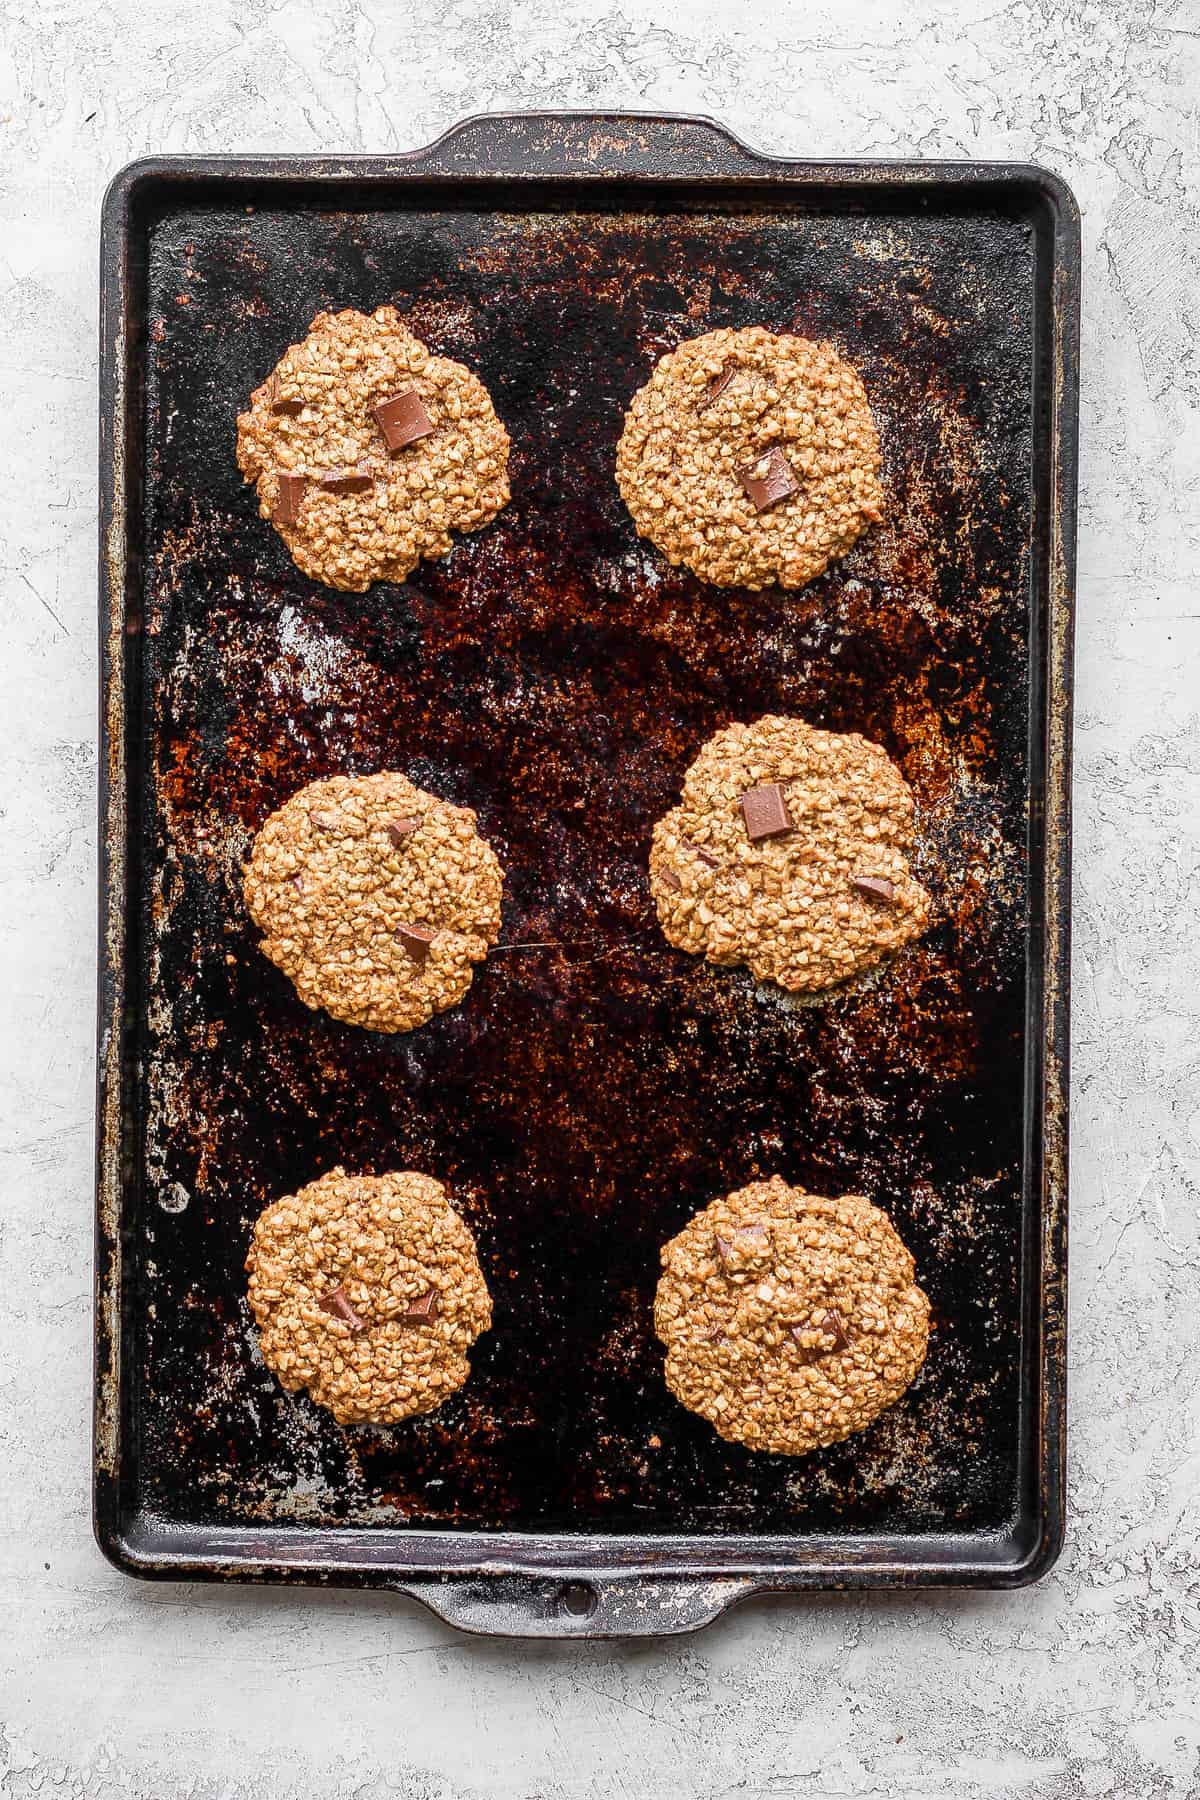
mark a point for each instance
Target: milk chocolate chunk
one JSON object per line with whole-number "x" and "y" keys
{"x": 286, "y": 509}
{"x": 283, "y": 403}
{"x": 402, "y": 418}
{"x": 768, "y": 479}
{"x": 746, "y": 1237}
{"x": 706, "y": 856}
{"x": 831, "y": 1324}
{"x": 719, "y": 383}
{"x": 874, "y": 885}
{"x": 765, "y": 811}
{"x": 416, "y": 940}
{"x": 671, "y": 880}
{"x": 421, "y": 1310}
{"x": 347, "y": 481}
{"x": 337, "y": 1304}
{"x": 399, "y": 829}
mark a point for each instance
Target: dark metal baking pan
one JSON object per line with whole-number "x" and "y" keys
{"x": 596, "y": 1087}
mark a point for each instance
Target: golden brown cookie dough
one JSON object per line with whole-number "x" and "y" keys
{"x": 375, "y": 899}
{"x": 789, "y": 1321}
{"x": 367, "y": 451}
{"x": 751, "y": 457}
{"x": 367, "y": 1291}
{"x": 788, "y": 852}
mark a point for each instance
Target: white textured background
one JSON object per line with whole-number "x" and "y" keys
{"x": 1087, "y": 1685}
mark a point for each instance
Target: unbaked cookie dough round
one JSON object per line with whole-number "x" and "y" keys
{"x": 367, "y": 1291}
{"x": 367, "y": 451}
{"x": 789, "y": 1321}
{"x": 788, "y": 852}
{"x": 375, "y": 899}
{"x": 751, "y": 457}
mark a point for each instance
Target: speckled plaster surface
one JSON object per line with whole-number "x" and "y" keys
{"x": 1086, "y": 1685}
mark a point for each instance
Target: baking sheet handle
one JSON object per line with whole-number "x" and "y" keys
{"x": 547, "y": 145}
{"x": 509, "y": 1605}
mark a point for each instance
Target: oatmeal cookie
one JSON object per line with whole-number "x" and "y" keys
{"x": 375, "y": 899}
{"x": 788, "y": 853}
{"x": 367, "y": 451}
{"x": 367, "y": 1291}
{"x": 789, "y": 1321}
{"x": 751, "y": 457}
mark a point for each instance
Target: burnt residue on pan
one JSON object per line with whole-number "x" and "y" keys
{"x": 596, "y": 1087}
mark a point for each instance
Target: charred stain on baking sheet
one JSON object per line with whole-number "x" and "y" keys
{"x": 554, "y": 673}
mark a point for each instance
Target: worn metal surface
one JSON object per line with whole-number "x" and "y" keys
{"x": 596, "y": 1087}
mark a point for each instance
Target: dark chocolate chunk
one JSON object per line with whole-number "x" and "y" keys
{"x": 719, "y": 383}
{"x": 347, "y": 481}
{"x": 421, "y": 1310}
{"x": 765, "y": 811}
{"x": 337, "y": 1304}
{"x": 874, "y": 885}
{"x": 774, "y": 483}
{"x": 670, "y": 880}
{"x": 286, "y": 509}
{"x": 416, "y": 940}
{"x": 402, "y": 418}
{"x": 325, "y": 821}
{"x": 399, "y": 829}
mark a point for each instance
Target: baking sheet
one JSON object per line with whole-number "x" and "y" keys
{"x": 596, "y": 1087}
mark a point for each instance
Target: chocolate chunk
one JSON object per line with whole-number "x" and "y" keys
{"x": 416, "y": 940}
{"x": 874, "y": 885}
{"x": 283, "y": 403}
{"x": 768, "y": 479}
{"x": 298, "y": 883}
{"x": 719, "y": 383}
{"x": 399, "y": 829}
{"x": 347, "y": 481}
{"x": 421, "y": 1310}
{"x": 325, "y": 821}
{"x": 670, "y": 880}
{"x": 337, "y": 1304}
{"x": 706, "y": 856}
{"x": 746, "y": 1237}
{"x": 765, "y": 811}
{"x": 402, "y": 418}
{"x": 831, "y": 1324}
{"x": 286, "y": 509}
